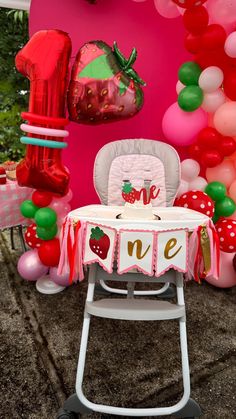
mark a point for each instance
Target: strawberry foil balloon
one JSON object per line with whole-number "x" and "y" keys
{"x": 104, "y": 87}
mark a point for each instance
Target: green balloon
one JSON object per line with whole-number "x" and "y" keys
{"x": 225, "y": 207}
{"x": 216, "y": 190}
{"x": 215, "y": 218}
{"x": 190, "y": 98}
{"x": 189, "y": 73}
{"x": 47, "y": 233}
{"x": 45, "y": 217}
{"x": 28, "y": 209}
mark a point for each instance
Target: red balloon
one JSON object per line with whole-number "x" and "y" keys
{"x": 44, "y": 60}
{"x": 227, "y": 146}
{"x": 192, "y": 43}
{"x": 207, "y": 58}
{"x": 31, "y": 237}
{"x": 49, "y": 252}
{"x": 196, "y": 20}
{"x": 226, "y": 229}
{"x": 208, "y": 138}
{"x": 198, "y": 201}
{"x": 214, "y": 37}
{"x": 230, "y": 84}
{"x": 195, "y": 151}
{"x": 187, "y": 4}
{"x": 41, "y": 198}
{"x": 211, "y": 158}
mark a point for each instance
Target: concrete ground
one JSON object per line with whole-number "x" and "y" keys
{"x": 129, "y": 363}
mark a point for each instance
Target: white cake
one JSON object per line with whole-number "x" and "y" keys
{"x": 137, "y": 211}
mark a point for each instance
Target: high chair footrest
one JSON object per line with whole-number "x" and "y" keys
{"x": 134, "y": 309}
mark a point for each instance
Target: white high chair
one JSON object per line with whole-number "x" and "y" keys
{"x": 115, "y": 162}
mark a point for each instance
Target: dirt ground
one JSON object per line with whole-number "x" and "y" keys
{"x": 128, "y": 363}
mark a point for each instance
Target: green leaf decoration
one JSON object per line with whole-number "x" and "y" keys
{"x": 139, "y": 98}
{"x": 96, "y": 233}
{"x": 99, "y": 68}
{"x": 122, "y": 88}
{"x": 127, "y": 188}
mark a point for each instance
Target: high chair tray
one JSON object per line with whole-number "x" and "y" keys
{"x": 171, "y": 217}
{"x": 135, "y": 309}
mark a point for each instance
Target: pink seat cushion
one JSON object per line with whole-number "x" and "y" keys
{"x": 136, "y": 168}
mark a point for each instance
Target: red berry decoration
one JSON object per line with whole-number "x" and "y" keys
{"x": 198, "y": 201}
{"x": 226, "y": 229}
{"x": 3, "y": 176}
{"x": 41, "y": 198}
{"x": 99, "y": 242}
{"x": 49, "y": 252}
{"x": 31, "y": 237}
{"x": 187, "y": 4}
{"x": 129, "y": 193}
{"x": 104, "y": 87}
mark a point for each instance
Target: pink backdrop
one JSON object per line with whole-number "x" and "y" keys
{"x": 159, "y": 42}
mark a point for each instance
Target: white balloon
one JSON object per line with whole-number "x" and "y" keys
{"x": 230, "y": 45}
{"x": 212, "y": 101}
{"x": 179, "y": 86}
{"x": 211, "y": 79}
{"x": 183, "y": 187}
{"x": 198, "y": 184}
{"x": 190, "y": 169}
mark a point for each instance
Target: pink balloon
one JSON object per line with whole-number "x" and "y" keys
{"x": 232, "y": 191}
{"x": 167, "y": 8}
{"x": 224, "y": 173}
{"x": 183, "y": 187}
{"x": 30, "y": 267}
{"x": 230, "y": 45}
{"x": 227, "y": 277}
{"x": 179, "y": 86}
{"x": 68, "y": 196}
{"x": 222, "y": 11}
{"x": 181, "y": 128}
{"x": 211, "y": 79}
{"x": 190, "y": 169}
{"x": 212, "y": 101}
{"x": 60, "y": 206}
{"x": 198, "y": 184}
{"x": 62, "y": 280}
{"x": 225, "y": 120}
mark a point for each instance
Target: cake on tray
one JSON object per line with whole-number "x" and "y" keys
{"x": 138, "y": 203}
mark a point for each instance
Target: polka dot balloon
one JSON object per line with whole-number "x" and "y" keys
{"x": 31, "y": 237}
{"x": 198, "y": 201}
{"x": 187, "y": 4}
{"x": 226, "y": 229}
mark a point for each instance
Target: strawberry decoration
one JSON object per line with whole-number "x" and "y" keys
{"x": 104, "y": 87}
{"x": 198, "y": 201}
{"x": 99, "y": 242}
{"x": 31, "y": 237}
{"x": 226, "y": 229}
{"x": 129, "y": 193}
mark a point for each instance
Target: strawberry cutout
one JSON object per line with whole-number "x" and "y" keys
{"x": 129, "y": 193}
{"x": 99, "y": 242}
{"x": 31, "y": 237}
{"x": 104, "y": 87}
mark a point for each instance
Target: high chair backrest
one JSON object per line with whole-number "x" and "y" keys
{"x": 138, "y": 161}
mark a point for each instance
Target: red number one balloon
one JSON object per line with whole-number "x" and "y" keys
{"x": 44, "y": 61}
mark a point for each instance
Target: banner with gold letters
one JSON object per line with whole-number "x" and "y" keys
{"x": 171, "y": 251}
{"x": 136, "y": 250}
{"x": 150, "y": 252}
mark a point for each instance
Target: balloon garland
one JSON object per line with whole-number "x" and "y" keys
{"x": 203, "y": 118}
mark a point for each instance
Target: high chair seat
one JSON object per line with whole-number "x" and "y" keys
{"x": 135, "y": 309}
